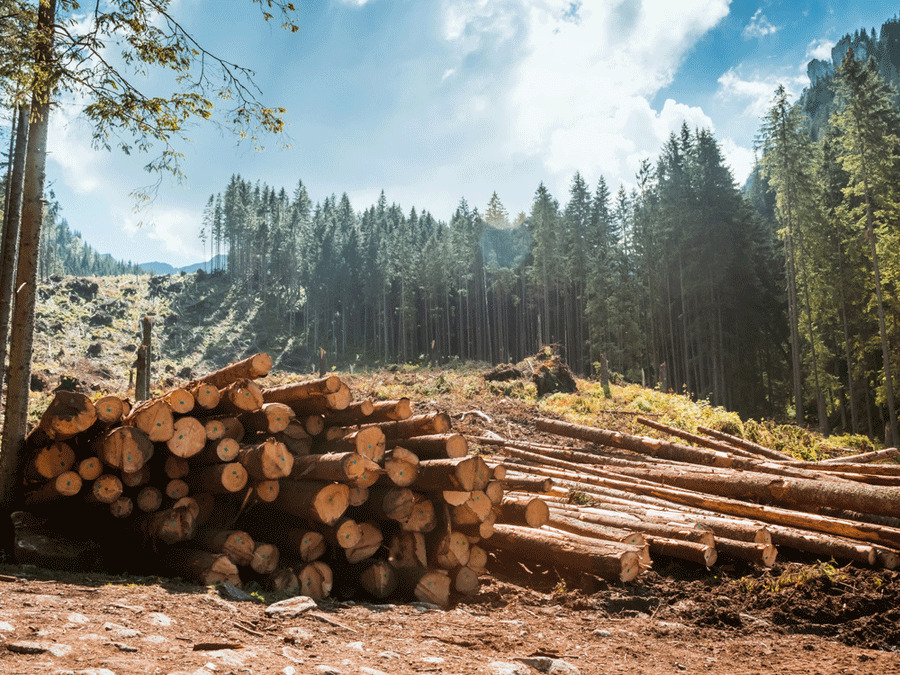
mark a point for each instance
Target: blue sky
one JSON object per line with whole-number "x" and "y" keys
{"x": 438, "y": 100}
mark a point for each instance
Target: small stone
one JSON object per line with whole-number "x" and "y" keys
{"x": 6, "y": 627}
{"x": 425, "y": 606}
{"x": 599, "y": 632}
{"x": 121, "y": 632}
{"x": 75, "y": 617}
{"x": 355, "y": 646}
{"x": 539, "y": 663}
{"x": 505, "y": 668}
{"x": 389, "y": 655}
{"x": 371, "y": 671}
{"x": 560, "y": 667}
{"x": 232, "y": 592}
{"x": 95, "y": 671}
{"x": 156, "y": 639}
{"x": 220, "y": 603}
{"x": 122, "y": 647}
{"x": 434, "y": 660}
{"x": 291, "y": 607}
{"x": 327, "y": 670}
{"x": 159, "y": 619}
{"x": 289, "y": 670}
{"x": 294, "y": 655}
{"x": 59, "y": 650}
{"x": 298, "y": 635}
{"x": 28, "y": 647}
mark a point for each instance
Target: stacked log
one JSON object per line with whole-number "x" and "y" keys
{"x": 740, "y": 500}
{"x": 297, "y": 487}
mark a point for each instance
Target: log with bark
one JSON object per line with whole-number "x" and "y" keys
{"x": 300, "y": 391}
{"x": 608, "y": 560}
{"x": 341, "y": 467}
{"x": 237, "y": 545}
{"x": 66, "y": 484}
{"x": 68, "y": 414}
{"x": 419, "y": 425}
{"x": 188, "y": 437}
{"x": 251, "y": 368}
{"x": 271, "y": 418}
{"x": 435, "y": 446}
{"x": 864, "y": 457}
{"x": 110, "y": 409}
{"x": 269, "y": 460}
{"x": 524, "y": 510}
{"x": 240, "y": 397}
{"x": 744, "y": 444}
{"x": 201, "y": 566}
{"x": 50, "y": 461}
{"x": 315, "y": 500}
{"x": 181, "y": 401}
{"x": 154, "y": 417}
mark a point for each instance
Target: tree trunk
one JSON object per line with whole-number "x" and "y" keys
{"x": 11, "y": 221}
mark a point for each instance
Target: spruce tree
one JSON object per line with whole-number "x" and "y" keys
{"x": 870, "y": 150}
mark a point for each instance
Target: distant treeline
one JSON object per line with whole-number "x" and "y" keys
{"x": 676, "y": 282}
{"x": 64, "y": 252}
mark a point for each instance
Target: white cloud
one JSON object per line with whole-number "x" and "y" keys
{"x": 579, "y": 94}
{"x": 759, "y": 27}
{"x": 69, "y": 146}
{"x": 740, "y": 159}
{"x": 354, "y": 3}
{"x": 175, "y": 228}
{"x": 819, "y": 49}
{"x": 470, "y": 23}
{"x": 757, "y": 91}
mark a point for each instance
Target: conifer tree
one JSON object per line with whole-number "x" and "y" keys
{"x": 869, "y": 126}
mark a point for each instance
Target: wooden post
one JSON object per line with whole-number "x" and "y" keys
{"x": 144, "y": 360}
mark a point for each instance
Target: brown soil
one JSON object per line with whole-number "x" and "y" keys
{"x": 664, "y": 624}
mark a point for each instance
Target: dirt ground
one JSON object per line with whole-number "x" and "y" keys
{"x": 701, "y": 622}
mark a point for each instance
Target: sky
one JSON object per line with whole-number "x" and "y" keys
{"x": 434, "y": 101}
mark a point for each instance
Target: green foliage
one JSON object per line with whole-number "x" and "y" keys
{"x": 146, "y": 36}
{"x": 788, "y": 580}
{"x": 579, "y": 498}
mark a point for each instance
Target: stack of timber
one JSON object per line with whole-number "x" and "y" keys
{"x": 296, "y": 487}
{"x": 715, "y": 497}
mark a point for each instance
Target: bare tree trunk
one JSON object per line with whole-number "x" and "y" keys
{"x": 885, "y": 350}
{"x": 22, "y": 335}
{"x": 12, "y": 218}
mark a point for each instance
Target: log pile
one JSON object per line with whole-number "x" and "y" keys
{"x": 304, "y": 490}
{"x": 297, "y": 487}
{"x": 715, "y": 497}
